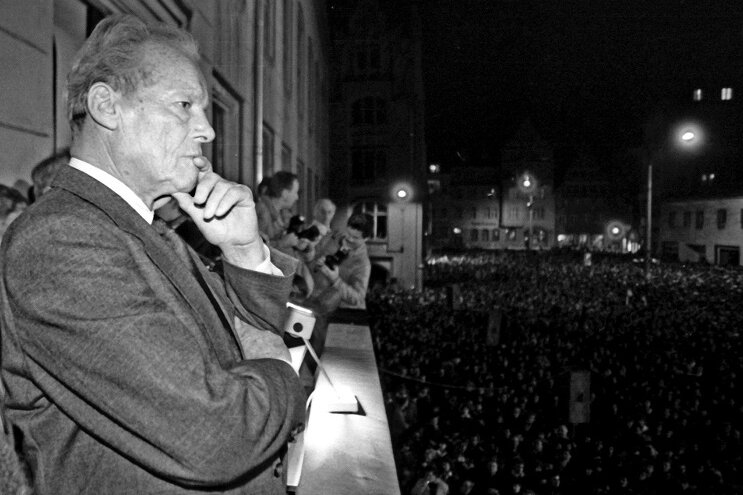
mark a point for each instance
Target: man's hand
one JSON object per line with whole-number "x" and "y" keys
{"x": 224, "y": 212}
{"x": 332, "y": 274}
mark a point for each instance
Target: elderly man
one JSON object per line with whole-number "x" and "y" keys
{"x": 323, "y": 214}
{"x": 129, "y": 367}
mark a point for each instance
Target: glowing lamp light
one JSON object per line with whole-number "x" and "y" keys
{"x": 401, "y": 192}
{"x": 615, "y": 230}
{"x": 456, "y": 230}
{"x": 434, "y": 168}
{"x": 527, "y": 183}
{"x": 688, "y": 135}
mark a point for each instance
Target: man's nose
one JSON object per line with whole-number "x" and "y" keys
{"x": 204, "y": 132}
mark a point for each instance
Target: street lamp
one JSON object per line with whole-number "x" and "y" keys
{"x": 688, "y": 134}
{"x": 528, "y": 184}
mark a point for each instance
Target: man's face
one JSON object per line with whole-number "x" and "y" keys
{"x": 162, "y": 127}
{"x": 325, "y": 213}
{"x": 290, "y": 196}
{"x": 354, "y": 238}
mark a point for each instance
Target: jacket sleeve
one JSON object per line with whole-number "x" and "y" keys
{"x": 260, "y": 298}
{"x": 353, "y": 288}
{"x": 108, "y": 341}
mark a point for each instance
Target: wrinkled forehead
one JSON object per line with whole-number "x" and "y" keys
{"x": 169, "y": 66}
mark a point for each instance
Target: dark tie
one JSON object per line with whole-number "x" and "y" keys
{"x": 176, "y": 243}
{"x": 180, "y": 247}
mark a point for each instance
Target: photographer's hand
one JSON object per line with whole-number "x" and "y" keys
{"x": 332, "y": 274}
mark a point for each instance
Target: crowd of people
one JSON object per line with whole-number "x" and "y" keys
{"x": 470, "y": 414}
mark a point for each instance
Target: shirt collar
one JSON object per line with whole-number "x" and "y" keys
{"x": 116, "y": 186}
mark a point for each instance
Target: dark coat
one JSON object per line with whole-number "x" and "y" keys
{"x": 120, "y": 373}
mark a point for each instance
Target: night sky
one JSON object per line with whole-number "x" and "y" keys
{"x": 587, "y": 72}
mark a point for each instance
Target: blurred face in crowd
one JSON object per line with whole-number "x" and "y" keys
{"x": 354, "y": 238}
{"x": 290, "y": 196}
{"x": 324, "y": 212}
{"x": 162, "y": 126}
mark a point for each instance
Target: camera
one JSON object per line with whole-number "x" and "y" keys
{"x": 296, "y": 224}
{"x": 333, "y": 260}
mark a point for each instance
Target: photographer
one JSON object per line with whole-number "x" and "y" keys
{"x": 342, "y": 275}
{"x": 279, "y": 193}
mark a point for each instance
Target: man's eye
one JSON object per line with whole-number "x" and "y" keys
{"x": 185, "y": 104}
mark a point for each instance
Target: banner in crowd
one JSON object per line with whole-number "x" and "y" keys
{"x": 580, "y": 397}
{"x": 454, "y": 297}
{"x": 495, "y": 324}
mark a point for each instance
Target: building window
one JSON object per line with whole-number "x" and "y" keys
{"x": 368, "y": 163}
{"x": 484, "y": 235}
{"x": 300, "y": 62}
{"x": 496, "y": 234}
{"x": 687, "y": 219}
{"x": 672, "y": 219}
{"x": 286, "y": 157}
{"x": 309, "y": 192}
{"x": 269, "y": 30}
{"x": 726, "y": 94}
{"x": 288, "y": 25}
{"x": 722, "y": 218}
{"x": 538, "y": 213}
{"x": 268, "y": 138}
{"x": 311, "y": 96}
{"x": 700, "y": 219}
{"x": 473, "y": 235}
{"x": 218, "y": 147}
{"x": 473, "y": 212}
{"x": 302, "y": 185}
{"x": 369, "y": 111}
{"x": 366, "y": 59}
{"x": 378, "y": 212}
{"x": 697, "y": 95}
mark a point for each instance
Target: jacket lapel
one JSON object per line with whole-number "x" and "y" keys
{"x": 161, "y": 254}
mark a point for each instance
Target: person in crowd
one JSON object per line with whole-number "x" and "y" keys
{"x": 664, "y": 364}
{"x": 129, "y": 367}
{"x": 342, "y": 273}
{"x": 45, "y": 171}
{"x": 273, "y": 209}
{"x": 323, "y": 214}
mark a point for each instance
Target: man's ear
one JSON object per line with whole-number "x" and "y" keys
{"x": 102, "y": 105}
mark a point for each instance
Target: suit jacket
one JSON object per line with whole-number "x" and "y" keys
{"x": 121, "y": 375}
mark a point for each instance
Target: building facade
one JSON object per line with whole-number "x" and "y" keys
{"x": 701, "y": 180}
{"x": 464, "y": 209}
{"x": 590, "y": 214}
{"x": 702, "y": 230}
{"x": 528, "y": 202}
{"x": 377, "y": 132}
{"x": 266, "y": 64}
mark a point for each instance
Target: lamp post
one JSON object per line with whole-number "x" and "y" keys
{"x": 527, "y": 184}
{"x": 686, "y": 136}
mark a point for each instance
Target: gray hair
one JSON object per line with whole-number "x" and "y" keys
{"x": 113, "y": 54}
